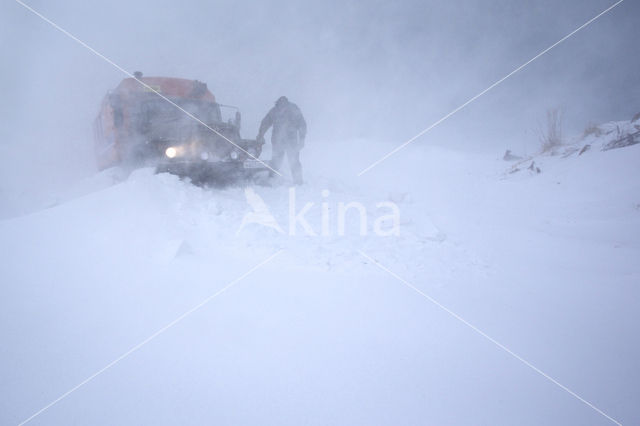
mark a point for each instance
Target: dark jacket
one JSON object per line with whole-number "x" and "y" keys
{"x": 287, "y": 121}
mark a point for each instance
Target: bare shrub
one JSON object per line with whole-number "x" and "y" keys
{"x": 551, "y": 136}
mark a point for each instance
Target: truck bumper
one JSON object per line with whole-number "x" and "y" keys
{"x": 214, "y": 172}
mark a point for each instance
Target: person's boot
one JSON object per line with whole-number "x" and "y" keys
{"x": 297, "y": 177}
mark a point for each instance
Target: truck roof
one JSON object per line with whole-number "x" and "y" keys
{"x": 167, "y": 86}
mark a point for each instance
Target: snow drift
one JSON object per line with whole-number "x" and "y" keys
{"x": 545, "y": 263}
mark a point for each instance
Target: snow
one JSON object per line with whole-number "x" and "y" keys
{"x": 545, "y": 263}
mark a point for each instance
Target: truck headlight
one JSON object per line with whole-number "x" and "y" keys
{"x": 171, "y": 152}
{"x": 234, "y": 155}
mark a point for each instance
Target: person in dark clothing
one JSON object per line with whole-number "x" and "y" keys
{"x": 287, "y": 136}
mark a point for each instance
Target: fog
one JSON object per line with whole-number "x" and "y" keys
{"x": 374, "y": 70}
{"x": 449, "y": 285}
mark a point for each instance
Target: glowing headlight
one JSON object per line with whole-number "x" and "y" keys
{"x": 234, "y": 155}
{"x": 171, "y": 152}
{"x": 204, "y": 156}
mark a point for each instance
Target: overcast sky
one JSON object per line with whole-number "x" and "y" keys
{"x": 367, "y": 69}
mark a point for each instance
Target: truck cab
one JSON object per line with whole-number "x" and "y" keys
{"x": 174, "y": 124}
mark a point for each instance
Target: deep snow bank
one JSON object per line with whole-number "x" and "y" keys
{"x": 545, "y": 263}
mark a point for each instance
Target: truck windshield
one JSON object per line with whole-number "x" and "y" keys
{"x": 159, "y": 111}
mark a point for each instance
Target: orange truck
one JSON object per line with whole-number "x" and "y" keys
{"x": 136, "y": 127}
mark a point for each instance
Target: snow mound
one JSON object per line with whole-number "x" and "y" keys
{"x": 545, "y": 263}
{"x": 604, "y": 137}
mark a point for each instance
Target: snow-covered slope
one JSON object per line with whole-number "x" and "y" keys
{"x": 544, "y": 263}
